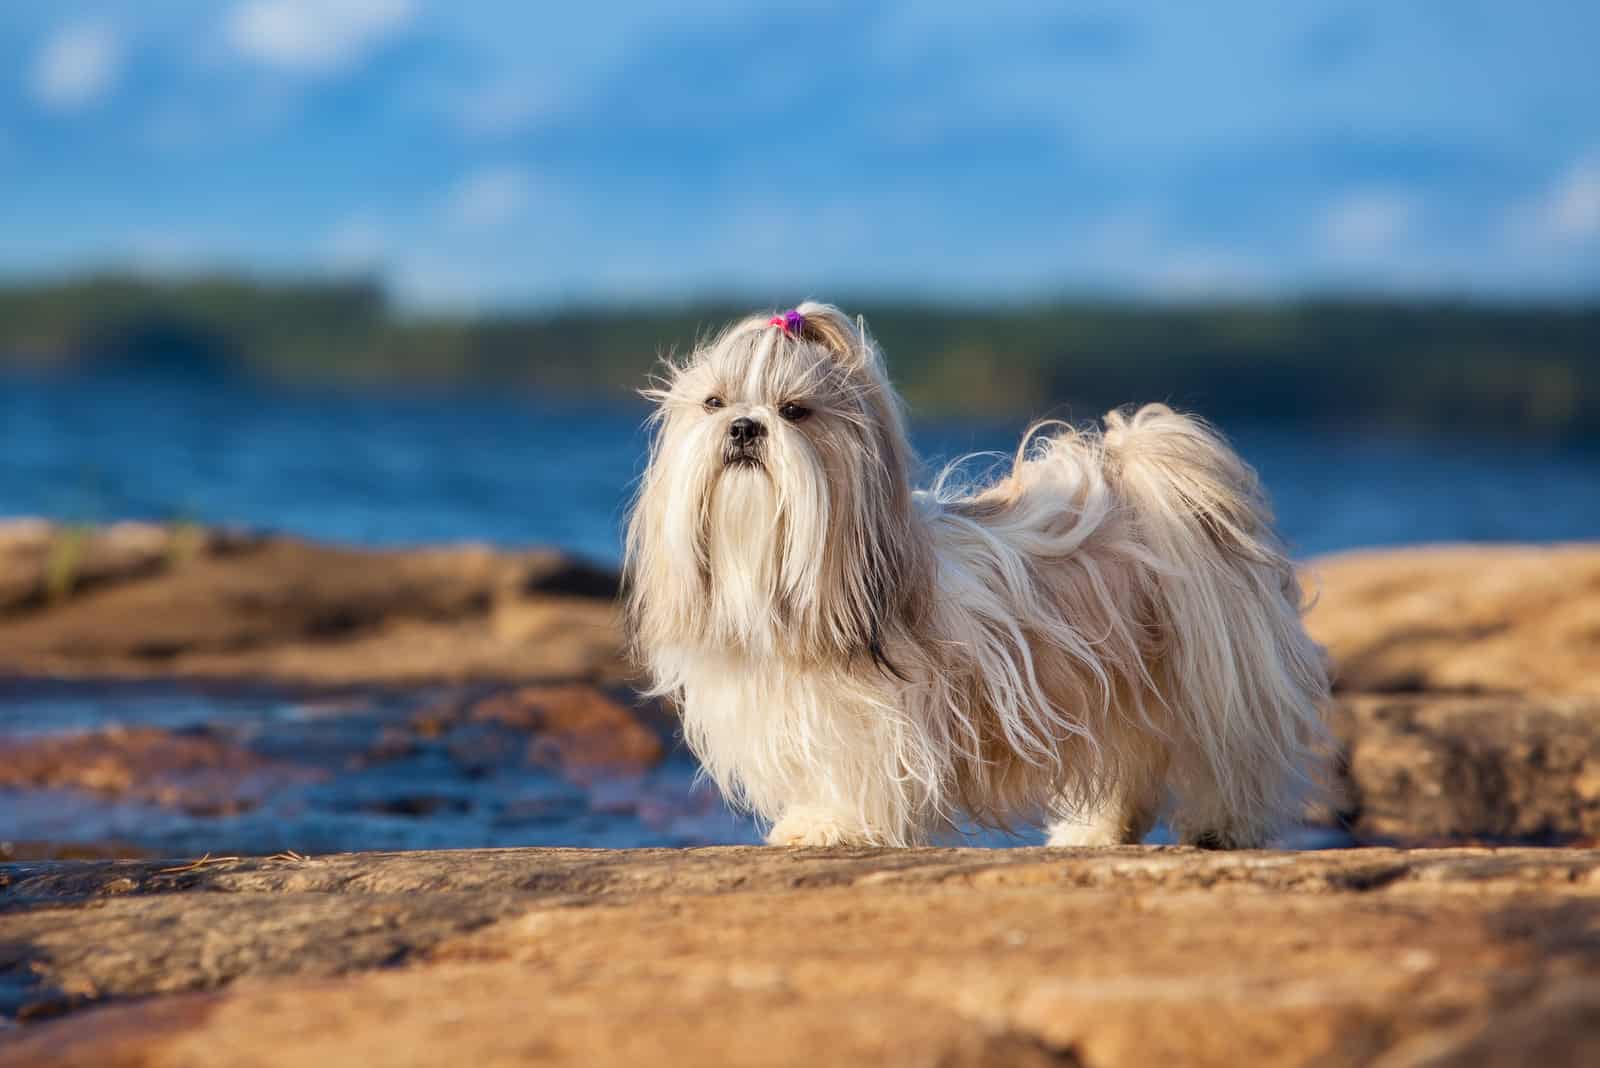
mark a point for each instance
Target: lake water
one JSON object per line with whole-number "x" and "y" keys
{"x": 340, "y": 772}
{"x": 513, "y": 470}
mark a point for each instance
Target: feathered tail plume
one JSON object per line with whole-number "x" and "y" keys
{"x": 1239, "y": 669}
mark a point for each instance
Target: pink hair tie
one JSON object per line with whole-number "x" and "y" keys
{"x": 790, "y": 322}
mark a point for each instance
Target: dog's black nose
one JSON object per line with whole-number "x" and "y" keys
{"x": 744, "y": 430}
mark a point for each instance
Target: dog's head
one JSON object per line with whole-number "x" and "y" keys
{"x": 775, "y": 514}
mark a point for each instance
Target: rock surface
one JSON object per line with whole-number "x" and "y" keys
{"x": 572, "y": 729}
{"x": 1132, "y": 956}
{"x": 1461, "y": 620}
{"x": 1421, "y": 768}
{"x": 1468, "y": 686}
{"x": 1468, "y": 708}
{"x": 1468, "y": 678}
{"x": 136, "y": 600}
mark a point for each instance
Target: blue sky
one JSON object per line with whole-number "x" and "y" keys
{"x": 507, "y": 153}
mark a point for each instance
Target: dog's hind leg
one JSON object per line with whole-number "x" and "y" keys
{"x": 1207, "y": 815}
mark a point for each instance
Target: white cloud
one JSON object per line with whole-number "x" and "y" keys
{"x": 77, "y": 66}
{"x": 489, "y": 198}
{"x": 1569, "y": 211}
{"x": 1206, "y": 272}
{"x": 314, "y": 36}
{"x": 359, "y": 243}
{"x": 1123, "y": 238}
{"x": 506, "y": 107}
{"x": 1368, "y": 222}
{"x": 169, "y": 251}
{"x": 428, "y": 280}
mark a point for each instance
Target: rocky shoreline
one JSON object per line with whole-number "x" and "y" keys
{"x": 139, "y": 600}
{"x": 1468, "y": 678}
{"x": 1467, "y": 713}
{"x": 1131, "y": 956}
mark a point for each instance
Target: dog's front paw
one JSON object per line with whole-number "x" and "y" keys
{"x": 1084, "y": 836}
{"x": 812, "y": 827}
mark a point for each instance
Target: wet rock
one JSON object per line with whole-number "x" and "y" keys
{"x": 392, "y": 743}
{"x": 417, "y": 806}
{"x": 195, "y": 772}
{"x": 577, "y": 730}
{"x": 479, "y": 749}
{"x": 1130, "y": 956}
{"x": 70, "y": 851}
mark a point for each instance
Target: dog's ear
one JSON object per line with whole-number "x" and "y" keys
{"x": 845, "y": 339}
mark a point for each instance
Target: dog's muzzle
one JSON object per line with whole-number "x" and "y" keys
{"x": 743, "y": 447}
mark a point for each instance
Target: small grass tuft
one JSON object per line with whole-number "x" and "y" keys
{"x": 185, "y": 541}
{"x": 65, "y": 563}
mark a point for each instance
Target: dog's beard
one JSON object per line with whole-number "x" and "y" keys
{"x": 743, "y": 548}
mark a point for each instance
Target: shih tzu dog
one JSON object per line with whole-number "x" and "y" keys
{"x": 1110, "y": 629}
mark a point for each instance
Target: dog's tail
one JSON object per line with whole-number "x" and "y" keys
{"x": 1242, "y": 674}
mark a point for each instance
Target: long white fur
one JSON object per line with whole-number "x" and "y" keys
{"x": 1111, "y": 627}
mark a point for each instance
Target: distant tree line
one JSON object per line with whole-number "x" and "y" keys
{"x": 1424, "y": 365}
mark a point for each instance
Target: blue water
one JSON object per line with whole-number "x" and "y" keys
{"x": 512, "y": 469}
{"x": 347, "y": 773}
{"x": 515, "y": 470}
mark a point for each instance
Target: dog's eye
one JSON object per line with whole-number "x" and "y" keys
{"x": 794, "y": 412}
{"x": 713, "y": 403}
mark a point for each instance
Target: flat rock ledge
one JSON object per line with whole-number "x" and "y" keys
{"x": 138, "y": 600}
{"x": 1133, "y": 956}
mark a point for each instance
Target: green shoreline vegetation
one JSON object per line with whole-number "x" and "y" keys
{"x": 1424, "y": 365}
